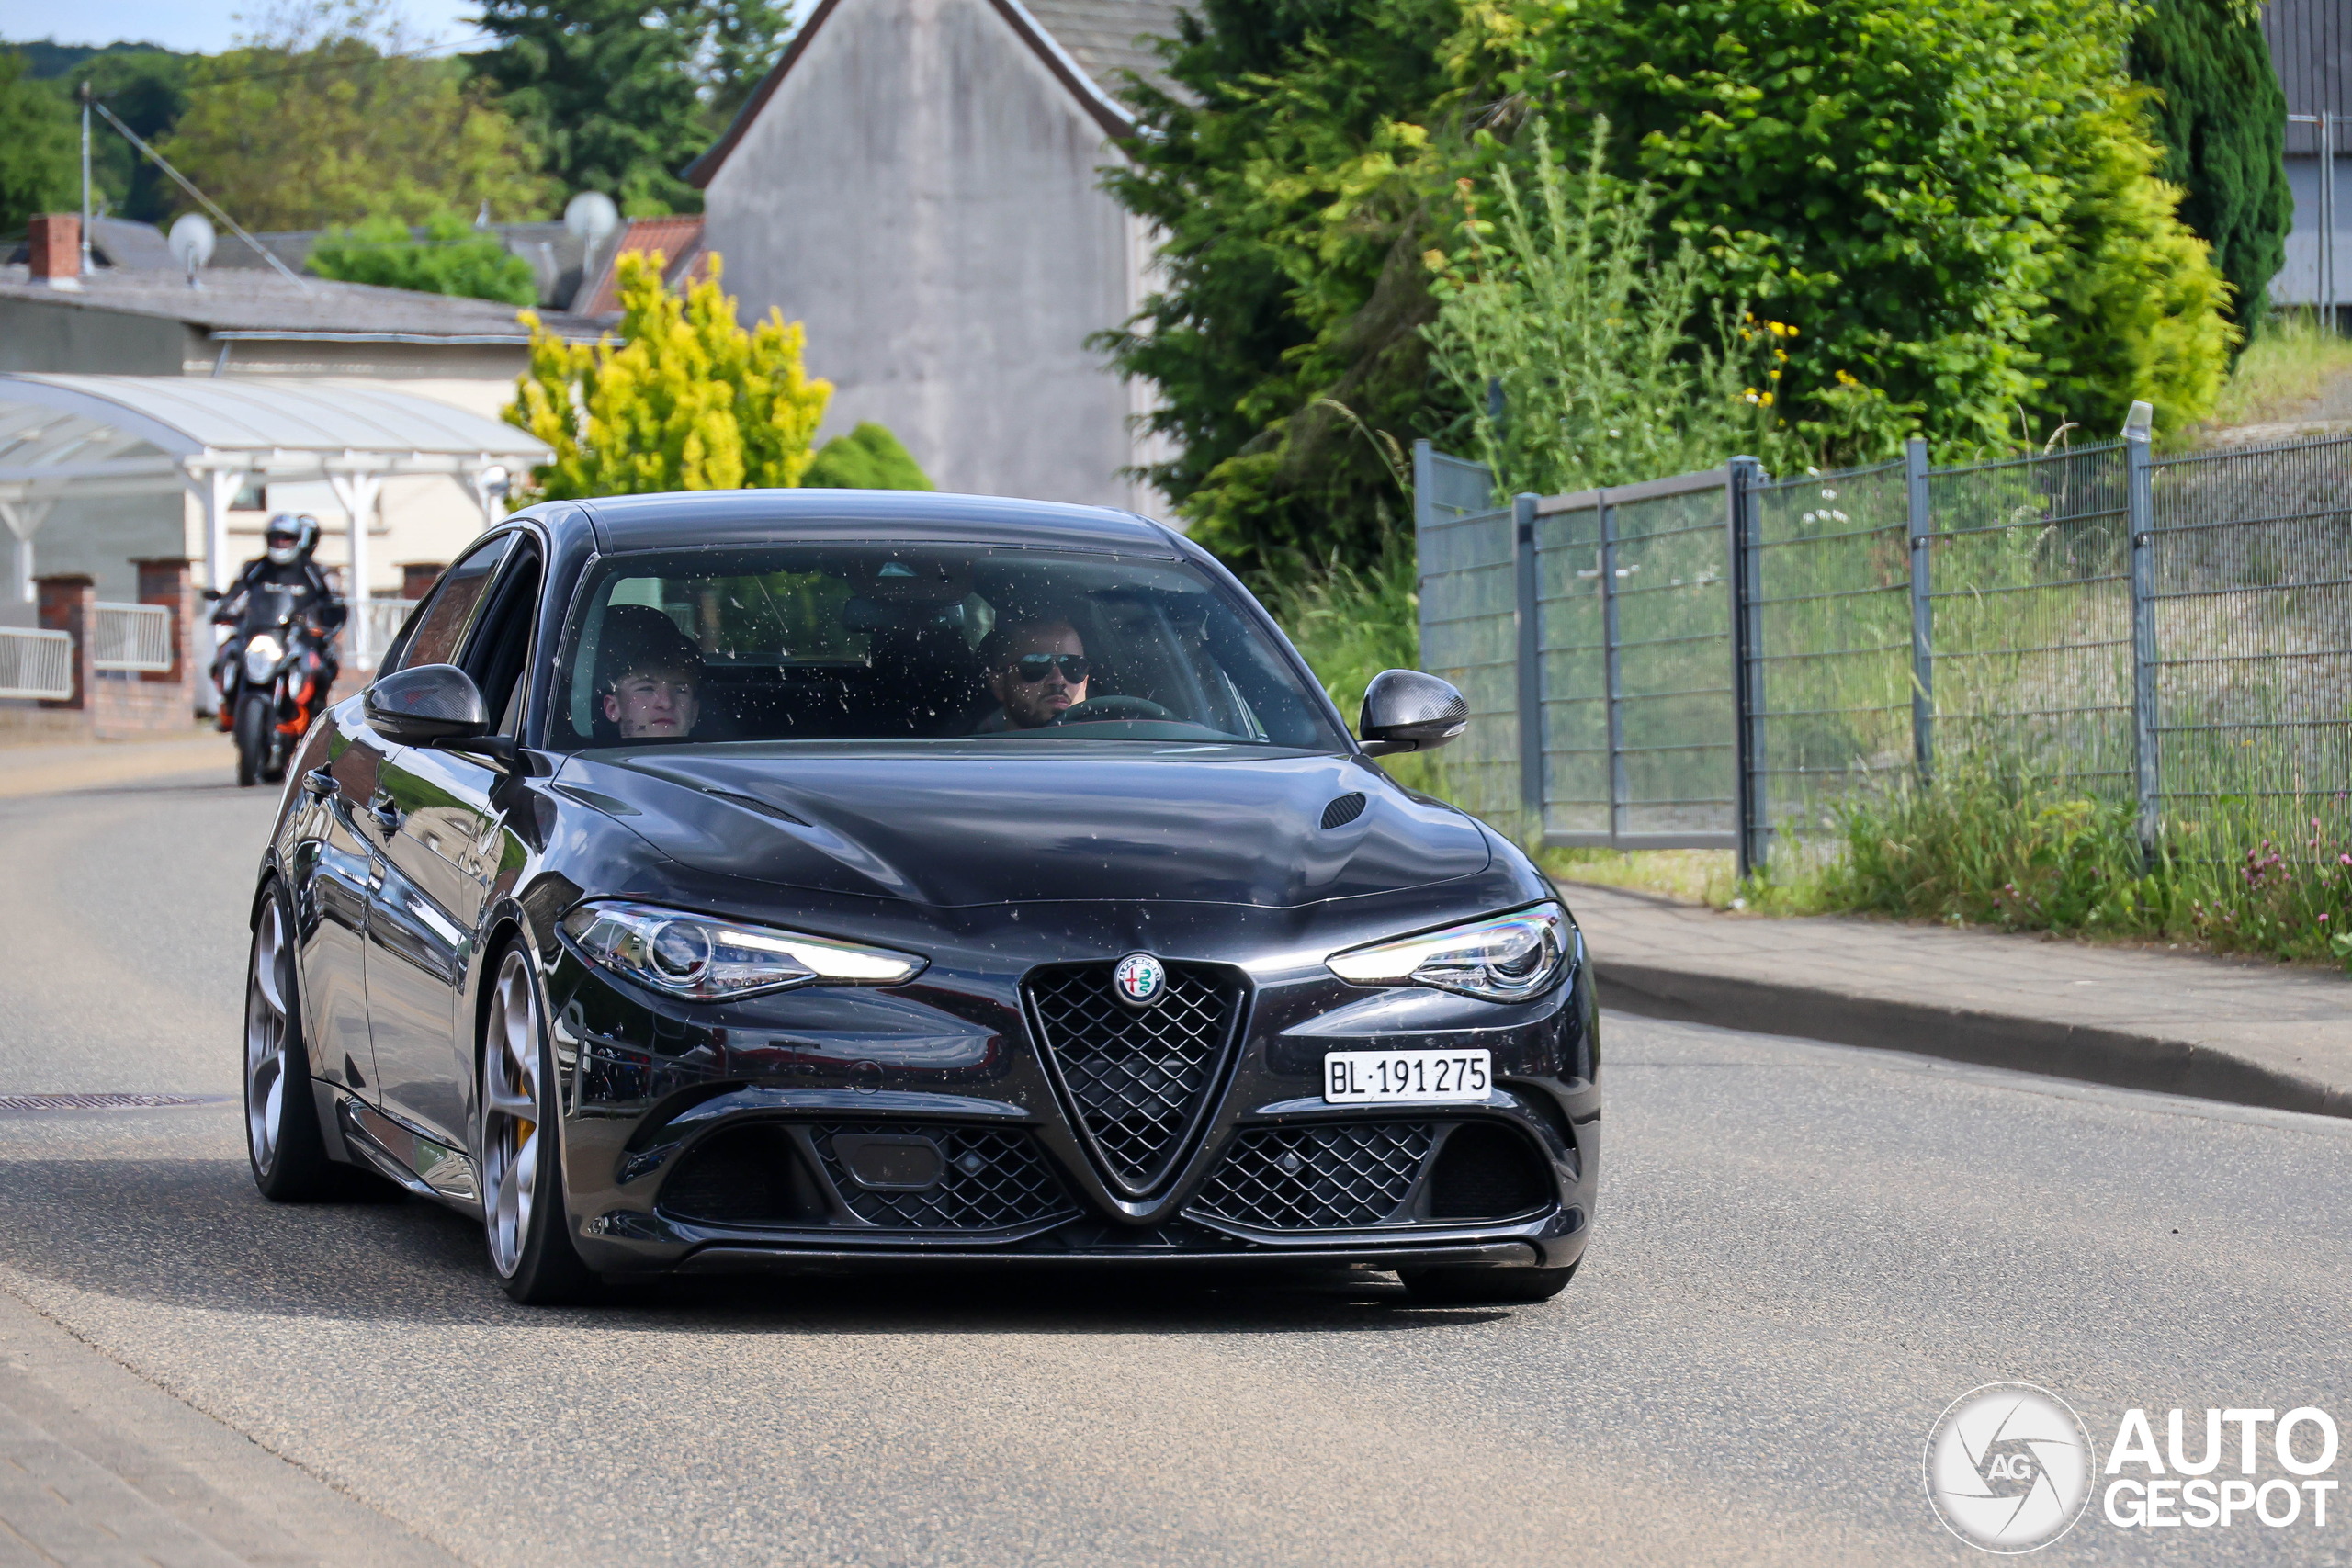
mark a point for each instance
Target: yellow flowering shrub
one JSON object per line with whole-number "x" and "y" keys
{"x": 688, "y": 400}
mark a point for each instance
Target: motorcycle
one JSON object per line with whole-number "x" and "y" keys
{"x": 272, "y": 676}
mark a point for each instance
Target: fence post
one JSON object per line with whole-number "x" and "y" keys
{"x": 2139, "y": 502}
{"x": 1742, "y": 475}
{"x": 1612, "y": 688}
{"x": 1531, "y": 671}
{"x": 1923, "y": 625}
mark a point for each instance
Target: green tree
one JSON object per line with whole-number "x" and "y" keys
{"x": 623, "y": 97}
{"x": 868, "y": 457}
{"x": 328, "y": 120}
{"x": 687, "y": 401}
{"x": 2222, "y": 116}
{"x": 40, "y": 153}
{"x": 148, "y": 88}
{"x": 448, "y": 256}
{"x": 1281, "y": 172}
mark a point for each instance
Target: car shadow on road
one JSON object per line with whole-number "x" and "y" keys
{"x": 193, "y": 1233}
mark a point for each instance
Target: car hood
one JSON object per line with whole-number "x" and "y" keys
{"x": 983, "y": 824}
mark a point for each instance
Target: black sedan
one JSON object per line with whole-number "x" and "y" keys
{"x": 819, "y": 880}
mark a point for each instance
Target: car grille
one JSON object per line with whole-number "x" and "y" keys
{"x": 1139, "y": 1078}
{"x": 994, "y": 1179}
{"x": 1338, "y": 1176}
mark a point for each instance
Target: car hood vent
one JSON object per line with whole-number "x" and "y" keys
{"x": 1343, "y": 811}
{"x": 1139, "y": 1081}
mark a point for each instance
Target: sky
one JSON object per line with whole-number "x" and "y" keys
{"x": 201, "y": 25}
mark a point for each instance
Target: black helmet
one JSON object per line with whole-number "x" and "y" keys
{"x": 291, "y": 537}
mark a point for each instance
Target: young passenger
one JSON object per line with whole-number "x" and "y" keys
{"x": 652, "y": 688}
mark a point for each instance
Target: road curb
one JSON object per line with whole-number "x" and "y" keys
{"x": 2117, "y": 1059}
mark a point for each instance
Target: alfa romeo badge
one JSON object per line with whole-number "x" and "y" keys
{"x": 1139, "y": 980}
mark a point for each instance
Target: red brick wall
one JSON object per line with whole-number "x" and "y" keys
{"x": 67, "y": 604}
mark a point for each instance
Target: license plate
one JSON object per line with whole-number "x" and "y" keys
{"x": 1393, "y": 1078}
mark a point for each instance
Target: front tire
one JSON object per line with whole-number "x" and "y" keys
{"x": 1484, "y": 1287}
{"x": 282, "y": 1139}
{"x": 522, "y": 1157}
{"x": 253, "y": 736}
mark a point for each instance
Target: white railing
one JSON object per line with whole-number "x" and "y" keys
{"x": 385, "y": 617}
{"x": 132, "y": 637}
{"x": 36, "y": 664}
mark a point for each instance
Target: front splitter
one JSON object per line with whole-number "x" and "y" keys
{"x": 735, "y": 1259}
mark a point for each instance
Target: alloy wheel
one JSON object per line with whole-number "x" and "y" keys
{"x": 510, "y": 1123}
{"x": 268, "y": 1033}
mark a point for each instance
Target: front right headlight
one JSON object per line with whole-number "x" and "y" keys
{"x": 1503, "y": 958}
{"x": 709, "y": 960}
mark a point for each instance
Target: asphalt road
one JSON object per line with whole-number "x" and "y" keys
{"x": 1803, "y": 1254}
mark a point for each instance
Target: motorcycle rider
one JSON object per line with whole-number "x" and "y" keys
{"x": 284, "y": 563}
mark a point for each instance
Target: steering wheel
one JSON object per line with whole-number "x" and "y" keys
{"x": 1111, "y": 708}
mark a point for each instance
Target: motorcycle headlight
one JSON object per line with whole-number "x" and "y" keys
{"x": 262, "y": 654}
{"x": 1504, "y": 958}
{"x": 711, "y": 960}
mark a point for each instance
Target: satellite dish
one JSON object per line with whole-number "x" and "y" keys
{"x": 192, "y": 241}
{"x": 591, "y": 215}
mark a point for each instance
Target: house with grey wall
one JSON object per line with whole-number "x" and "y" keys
{"x": 919, "y": 182}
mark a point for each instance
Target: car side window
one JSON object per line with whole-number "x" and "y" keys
{"x": 499, "y": 649}
{"x": 433, "y": 634}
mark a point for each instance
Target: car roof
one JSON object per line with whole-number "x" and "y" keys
{"x": 778, "y": 516}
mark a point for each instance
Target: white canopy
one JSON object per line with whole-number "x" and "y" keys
{"x": 114, "y": 435}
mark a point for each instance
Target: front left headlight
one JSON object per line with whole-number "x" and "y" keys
{"x": 709, "y": 960}
{"x": 1503, "y": 958}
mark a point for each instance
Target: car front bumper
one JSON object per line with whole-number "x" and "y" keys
{"x": 701, "y": 1137}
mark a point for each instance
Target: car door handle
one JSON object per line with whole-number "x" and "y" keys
{"x": 319, "y": 783}
{"x": 386, "y": 811}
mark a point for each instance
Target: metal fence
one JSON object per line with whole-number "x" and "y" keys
{"x": 131, "y": 638}
{"x": 1722, "y": 658}
{"x": 36, "y": 663}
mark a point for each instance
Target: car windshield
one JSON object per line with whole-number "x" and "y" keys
{"x": 920, "y": 641}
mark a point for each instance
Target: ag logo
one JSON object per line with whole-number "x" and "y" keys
{"x": 1139, "y": 980}
{"x": 2008, "y": 1468}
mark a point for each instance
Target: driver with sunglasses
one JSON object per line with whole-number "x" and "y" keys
{"x": 1037, "y": 670}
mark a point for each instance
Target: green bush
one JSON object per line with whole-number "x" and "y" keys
{"x": 450, "y": 256}
{"x": 868, "y": 457}
{"x": 1894, "y": 180}
{"x": 2138, "y": 308}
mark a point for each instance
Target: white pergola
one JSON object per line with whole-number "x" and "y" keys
{"x": 92, "y": 436}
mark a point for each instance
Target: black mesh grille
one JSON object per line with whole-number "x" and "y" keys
{"x": 745, "y": 1176}
{"x": 994, "y": 1177}
{"x": 1333, "y": 1177}
{"x": 1343, "y": 811}
{"x": 1485, "y": 1172}
{"x": 1139, "y": 1076}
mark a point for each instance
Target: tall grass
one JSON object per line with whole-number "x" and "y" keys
{"x": 1985, "y": 846}
{"x": 1350, "y": 623}
{"x": 1564, "y": 308}
{"x": 2288, "y": 363}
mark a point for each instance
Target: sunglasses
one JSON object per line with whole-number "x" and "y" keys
{"x": 1031, "y": 667}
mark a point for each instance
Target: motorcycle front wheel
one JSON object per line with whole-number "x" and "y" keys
{"x": 252, "y": 735}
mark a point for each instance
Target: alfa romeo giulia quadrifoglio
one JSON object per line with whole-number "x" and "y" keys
{"x": 821, "y": 880}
